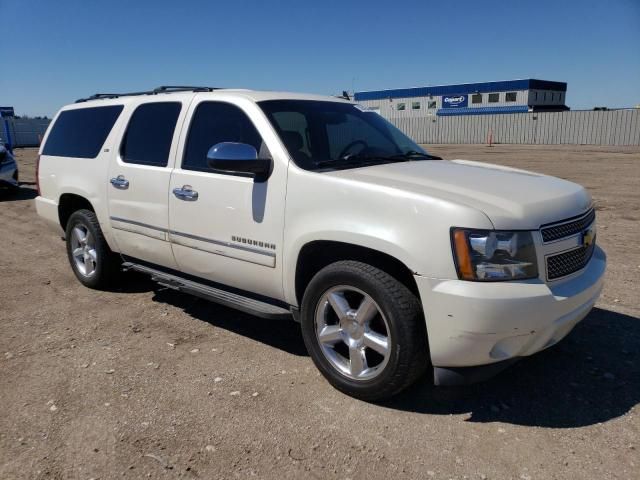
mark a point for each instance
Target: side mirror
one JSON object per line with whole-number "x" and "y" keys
{"x": 238, "y": 159}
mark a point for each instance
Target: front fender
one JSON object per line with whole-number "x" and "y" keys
{"x": 412, "y": 228}
{"x": 292, "y": 253}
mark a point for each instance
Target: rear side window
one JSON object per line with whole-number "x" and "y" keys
{"x": 215, "y": 122}
{"x": 148, "y": 137}
{"x": 81, "y": 132}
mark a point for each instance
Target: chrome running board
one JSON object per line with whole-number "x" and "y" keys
{"x": 228, "y": 299}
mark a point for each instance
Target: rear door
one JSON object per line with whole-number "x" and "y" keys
{"x": 139, "y": 176}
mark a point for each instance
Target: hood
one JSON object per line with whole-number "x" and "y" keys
{"x": 511, "y": 198}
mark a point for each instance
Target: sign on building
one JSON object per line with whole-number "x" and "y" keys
{"x": 455, "y": 101}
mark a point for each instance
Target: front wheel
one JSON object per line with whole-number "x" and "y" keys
{"x": 91, "y": 259}
{"x": 364, "y": 330}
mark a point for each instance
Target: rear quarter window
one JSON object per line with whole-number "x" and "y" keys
{"x": 81, "y": 133}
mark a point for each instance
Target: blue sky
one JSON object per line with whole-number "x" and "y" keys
{"x": 56, "y": 51}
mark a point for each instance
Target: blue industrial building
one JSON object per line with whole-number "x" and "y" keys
{"x": 510, "y": 96}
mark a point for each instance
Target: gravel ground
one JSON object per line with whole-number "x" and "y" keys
{"x": 142, "y": 382}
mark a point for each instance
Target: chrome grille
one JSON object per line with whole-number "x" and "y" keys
{"x": 563, "y": 264}
{"x": 567, "y": 228}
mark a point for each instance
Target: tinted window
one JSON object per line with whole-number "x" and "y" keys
{"x": 355, "y": 129}
{"x": 294, "y": 124}
{"x": 494, "y": 97}
{"x": 510, "y": 96}
{"x": 317, "y": 132}
{"x": 477, "y": 98}
{"x": 149, "y": 134}
{"x": 432, "y": 104}
{"x": 401, "y": 106}
{"x": 415, "y": 105}
{"x": 82, "y": 132}
{"x": 215, "y": 122}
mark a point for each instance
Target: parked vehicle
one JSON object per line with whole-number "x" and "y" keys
{"x": 395, "y": 262}
{"x": 8, "y": 169}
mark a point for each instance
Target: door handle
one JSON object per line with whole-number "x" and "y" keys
{"x": 186, "y": 193}
{"x": 120, "y": 182}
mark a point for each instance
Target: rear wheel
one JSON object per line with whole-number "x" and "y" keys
{"x": 93, "y": 263}
{"x": 364, "y": 330}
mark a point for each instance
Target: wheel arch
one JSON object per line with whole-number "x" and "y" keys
{"x": 72, "y": 201}
{"x": 317, "y": 254}
{"x": 69, "y": 203}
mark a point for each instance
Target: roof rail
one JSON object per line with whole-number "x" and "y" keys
{"x": 155, "y": 91}
{"x": 173, "y": 88}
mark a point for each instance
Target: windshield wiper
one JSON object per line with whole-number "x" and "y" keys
{"x": 355, "y": 159}
{"x": 415, "y": 155}
{"x": 349, "y": 160}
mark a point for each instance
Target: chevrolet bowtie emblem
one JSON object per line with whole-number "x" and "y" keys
{"x": 587, "y": 237}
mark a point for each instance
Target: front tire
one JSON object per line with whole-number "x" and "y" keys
{"x": 364, "y": 330}
{"x": 91, "y": 259}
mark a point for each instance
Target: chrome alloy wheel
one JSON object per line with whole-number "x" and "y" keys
{"x": 83, "y": 250}
{"x": 352, "y": 332}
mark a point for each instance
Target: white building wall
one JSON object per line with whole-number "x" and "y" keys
{"x": 388, "y": 108}
{"x": 521, "y": 99}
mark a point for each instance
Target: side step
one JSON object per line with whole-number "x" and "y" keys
{"x": 228, "y": 299}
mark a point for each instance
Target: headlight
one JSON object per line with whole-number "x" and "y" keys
{"x": 489, "y": 255}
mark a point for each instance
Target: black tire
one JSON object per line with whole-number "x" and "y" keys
{"x": 107, "y": 264}
{"x": 408, "y": 358}
{"x": 9, "y": 190}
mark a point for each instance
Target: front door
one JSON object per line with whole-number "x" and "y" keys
{"x": 139, "y": 176}
{"x": 227, "y": 228}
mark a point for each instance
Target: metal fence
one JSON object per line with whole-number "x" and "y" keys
{"x": 613, "y": 127}
{"x": 23, "y": 132}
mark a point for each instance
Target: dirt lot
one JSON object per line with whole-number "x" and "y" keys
{"x": 144, "y": 382}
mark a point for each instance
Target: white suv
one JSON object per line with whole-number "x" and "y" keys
{"x": 288, "y": 205}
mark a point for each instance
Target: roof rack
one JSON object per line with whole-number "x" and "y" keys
{"x": 155, "y": 91}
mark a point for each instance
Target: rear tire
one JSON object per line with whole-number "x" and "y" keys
{"x": 91, "y": 259}
{"x": 364, "y": 330}
{"x": 10, "y": 190}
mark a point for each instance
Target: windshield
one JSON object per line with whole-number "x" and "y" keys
{"x": 332, "y": 135}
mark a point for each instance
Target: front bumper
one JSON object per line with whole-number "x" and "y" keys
{"x": 473, "y": 323}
